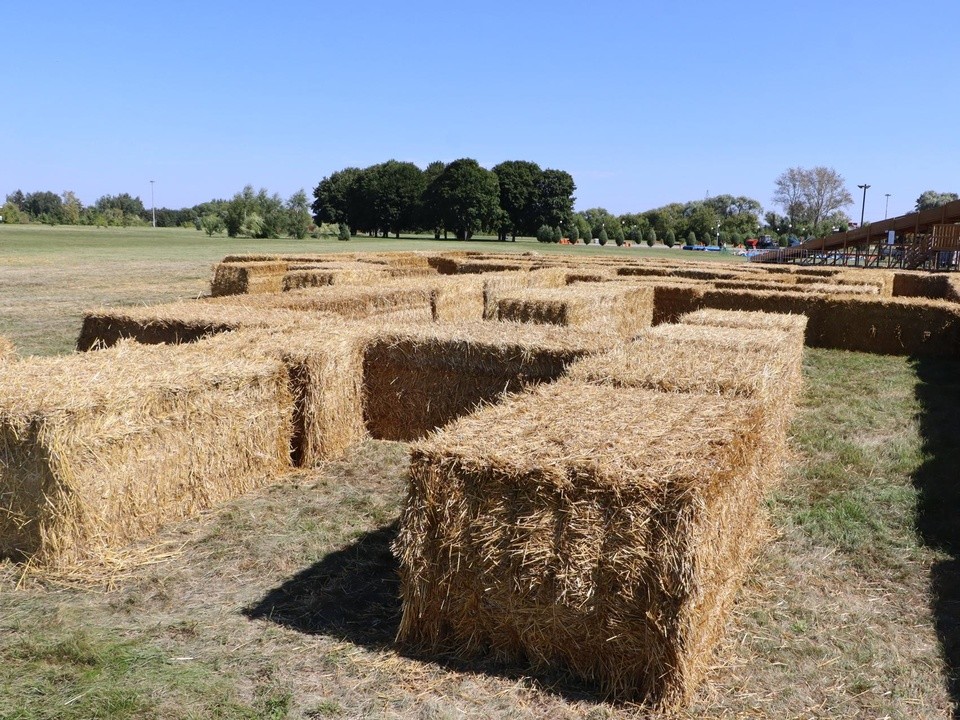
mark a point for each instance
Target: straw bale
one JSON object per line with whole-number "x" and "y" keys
{"x": 496, "y": 284}
{"x": 299, "y": 276}
{"x": 324, "y": 364}
{"x": 247, "y": 277}
{"x": 99, "y": 449}
{"x": 886, "y": 326}
{"x": 420, "y": 378}
{"x": 613, "y": 552}
{"x": 671, "y": 299}
{"x": 173, "y": 323}
{"x": 621, "y": 308}
{"x": 795, "y": 325}
{"x": 935, "y": 286}
{"x": 467, "y": 266}
{"x": 290, "y": 257}
{"x": 351, "y": 301}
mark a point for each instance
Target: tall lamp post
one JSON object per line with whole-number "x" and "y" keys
{"x": 863, "y": 205}
{"x": 886, "y": 205}
{"x": 153, "y": 206}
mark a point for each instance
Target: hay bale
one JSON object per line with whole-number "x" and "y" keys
{"x": 612, "y": 551}
{"x": 935, "y": 286}
{"x": 172, "y": 323}
{"x": 324, "y": 365}
{"x": 795, "y": 325}
{"x": 99, "y": 449}
{"x": 894, "y": 326}
{"x": 621, "y": 308}
{"x": 299, "y": 277}
{"x": 673, "y": 299}
{"x": 247, "y": 277}
{"x": 350, "y": 301}
{"x": 419, "y": 378}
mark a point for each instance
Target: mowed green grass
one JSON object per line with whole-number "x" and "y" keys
{"x": 50, "y": 275}
{"x": 283, "y": 604}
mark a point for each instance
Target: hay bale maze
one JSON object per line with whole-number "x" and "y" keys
{"x": 593, "y": 438}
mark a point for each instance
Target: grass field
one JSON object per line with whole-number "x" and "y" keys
{"x": 284, "y": 604}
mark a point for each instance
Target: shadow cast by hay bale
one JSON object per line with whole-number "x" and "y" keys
{"x": 353, "y": 595}
{"x": 938, "y": 502}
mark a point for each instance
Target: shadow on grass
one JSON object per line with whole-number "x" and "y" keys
{"x": 353, "y": 595}
{"x": 938, "y": 502}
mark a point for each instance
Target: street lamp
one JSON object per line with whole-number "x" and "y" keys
{"x": 153, "y": 206}
{"x": 886, "y": 205}
{"x": 863, "y": 205}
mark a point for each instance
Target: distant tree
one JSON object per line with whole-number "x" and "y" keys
{"x": 544, "y": 234}
{"x": 651, "y": 237}
{"x": 707, "y": 238}
{"x": 810, "y": 196}
{"x": 691, "y": 238}
{"x": 124, "y": 202}
{"x": 393, "y": 193}
{"x": 928, "y": 199}
{"x": 618, "y": 236}
{"x": 428, "y": 214}
{"x": 519, "y": 188}
{"x": 212, "y": 224}
{"x": 298, "y": 215}
{"x": 343, "y": 232}
{"x": 71, "y": 208}
{"x": 44, "y": 205}
{"x": 583, "y": 226}
{"x": 554, "y": 199}
{"x": 466, "y": 197}
{"x": 602, "y": 236}
{"x": 18, "y": 199}
{"x": 670, "y": 239}
{"x": 10, "y": 213}
{"x": 330, "y": 196}
{"x": 574, "y": 233}
{"x": 557, "y": 235}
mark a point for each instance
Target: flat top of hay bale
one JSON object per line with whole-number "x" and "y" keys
{"x": 122, "y": 377}
{"x": 746, "y": 319}
{"x": 522, "y": 337}
{"x": 691, "y": 358}
{"x": 212, "y": 312}
{"x": 636, "y": 439}
{"x": 594, "y": 292}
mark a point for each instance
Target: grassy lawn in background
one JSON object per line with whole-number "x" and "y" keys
{"x": 50, "y": 275}
{"x": 283, "y": 603}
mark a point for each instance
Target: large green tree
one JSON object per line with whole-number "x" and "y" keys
{"x": 330, "y": 203}
{"x": 554, "y": 199}
{"x": 466, "y": 197}
{"x": 519, "y": 191}
{"x": 392, "y": 192}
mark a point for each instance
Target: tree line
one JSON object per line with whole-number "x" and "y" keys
{"x": 460, "y": 198}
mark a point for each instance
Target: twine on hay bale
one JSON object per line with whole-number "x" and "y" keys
{"x": 99, "y": 449}
{"x": 419, "y": 378}
{"x": 613, "y": 552}
{"x": 612, "y": 306}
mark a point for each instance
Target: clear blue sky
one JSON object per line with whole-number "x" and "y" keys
{"x": 644, "y": 103}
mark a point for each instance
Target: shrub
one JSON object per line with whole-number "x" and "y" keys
{"x": 557, "y": 234}
{"x": 691, "y": 238}
{"x": 544, "y": 234}
{"x": 603, "y": 236}
{"x": 651, "y": 237}
{"x": 618, "y": 236}
{"x": 670, "y": 239}
{"x": 574, "y": 233}
{"x": 343, "y": 232}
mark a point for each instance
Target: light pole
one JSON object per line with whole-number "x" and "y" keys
{"x": 863, "y": 205}
{"x": 886, "y": 205}
{"x": 153, "y": 206}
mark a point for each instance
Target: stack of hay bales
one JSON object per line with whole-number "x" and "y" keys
{"x": 173, "y": 323}
{"x": 605, "y": 306}
{"x": 583, "y": 526}
{"x": 324, "y": 365}
{"x": 236, "y": 278}
{"x": 99, "y": 449}
{"x": 419, "y": 378}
